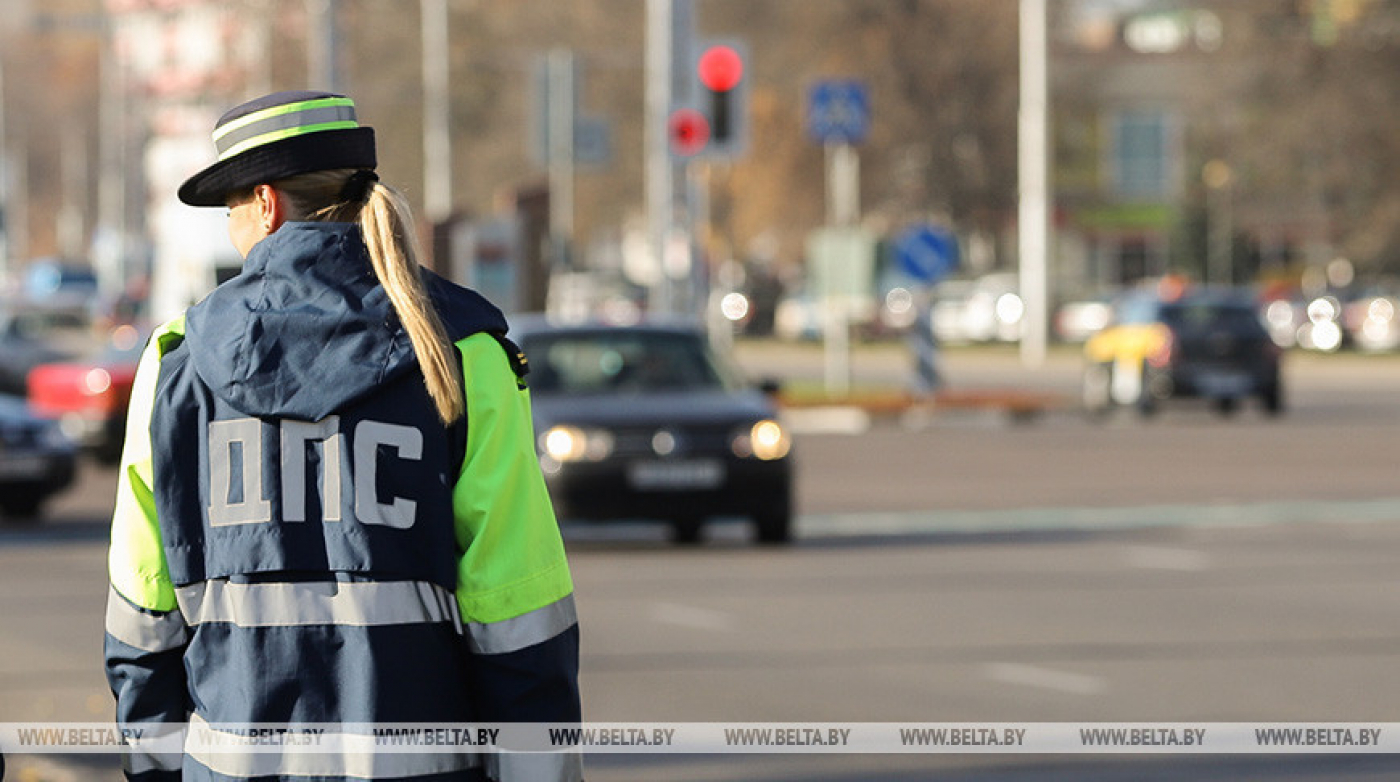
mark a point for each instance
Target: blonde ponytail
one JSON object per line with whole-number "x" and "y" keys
{"x": 394, "y": 253}
{"x": 387, "y": 224}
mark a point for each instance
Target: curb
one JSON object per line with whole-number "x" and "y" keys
{"x": 857, "y": 414}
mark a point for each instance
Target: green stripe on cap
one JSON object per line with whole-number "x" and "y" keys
{"x": 280, "y": 122}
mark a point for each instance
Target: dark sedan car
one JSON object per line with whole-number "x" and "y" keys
{"x": 36, "y": 460}
{"x": 645, "y": 422}
{"x": 1209, "y": 344}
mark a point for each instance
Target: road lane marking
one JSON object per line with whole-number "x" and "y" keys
{"x": 1046, "y": 678}
{"x": 1084, "y": 519}
{"x": 694, "y": 617}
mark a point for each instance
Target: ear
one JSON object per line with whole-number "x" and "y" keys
{"x": 270, "y": 206}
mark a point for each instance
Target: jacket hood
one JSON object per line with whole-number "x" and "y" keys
{"x": 306, "y": 329}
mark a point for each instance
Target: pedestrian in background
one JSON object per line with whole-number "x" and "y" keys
{"x": 329, "y": 507}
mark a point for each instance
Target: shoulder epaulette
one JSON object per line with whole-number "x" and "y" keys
{"x": 519, "y": 364}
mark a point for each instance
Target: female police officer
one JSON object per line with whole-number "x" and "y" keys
{"x": 329, "y": 508}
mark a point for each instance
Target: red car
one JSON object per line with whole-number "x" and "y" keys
{"x": 89, "y": 397}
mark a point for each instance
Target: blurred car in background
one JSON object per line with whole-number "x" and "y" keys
{"x": 1205, "y": 343}
{"x": 798, "y": 316}
{"x": 1306, "y": 321}
{"x": 57, "y": 283}
{"x": 1370, "y": 317}
{"x": 646, "y": 422}
{"x": 1286, "y": 316}
{"x": 32, "y": 335}
{"x": 36, "y": 460}
{"x": 1078, "y": 319}
{"x": 987, "y": 309}
{"x": 88, "y": 396}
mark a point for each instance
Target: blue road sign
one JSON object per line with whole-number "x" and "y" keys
{"x": 838, "y": 112}
{"x": 927, "y": 253}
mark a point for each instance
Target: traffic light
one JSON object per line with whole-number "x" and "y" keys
{"x": 688, "y": 132}
{"x": 722, "y": 96}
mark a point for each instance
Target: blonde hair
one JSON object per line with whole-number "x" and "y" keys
{"x": 386, "y": 221}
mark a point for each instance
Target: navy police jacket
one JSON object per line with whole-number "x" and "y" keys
{"x": 298, "y": 539}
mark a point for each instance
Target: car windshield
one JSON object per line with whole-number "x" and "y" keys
{"x": 1210, "y": 315}
{"x": 622, "y": 362}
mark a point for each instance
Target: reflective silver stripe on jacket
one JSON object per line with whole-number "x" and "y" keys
{"x": 349, "y": 755}
{"x": 159, "y": 747}
{"x": 536, "y": 766}
{"x": 522, "y": 631}
{"x": 144, "y": 630}
{"x": 359, "y": 603}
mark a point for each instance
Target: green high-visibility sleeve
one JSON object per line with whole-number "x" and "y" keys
{"x": 136, "y": 560}
{"x": 512, "y": 559}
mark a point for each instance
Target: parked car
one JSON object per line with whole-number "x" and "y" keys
{"x": 36, "y": 460}
{"x": 89, "y": 396}
{"x": 1206, "y": 343}
{"x": 647, "y": 422}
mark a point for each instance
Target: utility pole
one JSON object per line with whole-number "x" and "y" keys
{"x": 6, "y": 189}
{"x": 658, "y": 155}
{"x": 323, "y": 45}
{"x": 1034, "y": 175}
{"x": 110, "y": 250}
{"x": 563, "y": 109}
{"x": 437, "y": 113}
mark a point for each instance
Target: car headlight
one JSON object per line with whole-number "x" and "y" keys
{"x": 571, "y": 444}
{"x": 766, "y": 440}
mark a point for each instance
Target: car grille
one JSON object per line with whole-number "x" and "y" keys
{"x": 638, "y": 441}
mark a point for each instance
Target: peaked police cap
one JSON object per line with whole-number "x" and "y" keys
{"x": 278, "y": 136}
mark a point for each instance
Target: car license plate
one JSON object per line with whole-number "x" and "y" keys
{"x": 23, "y": 467}
{"x": 1223, "y": 384}
{"x": 677, "y": 475}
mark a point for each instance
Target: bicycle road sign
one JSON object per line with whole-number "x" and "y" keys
{"x": 838, "y": 112}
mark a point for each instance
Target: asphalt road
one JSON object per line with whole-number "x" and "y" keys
{"x": 949, "y": 568}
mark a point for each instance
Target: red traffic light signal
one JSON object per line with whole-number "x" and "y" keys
{"x": 709, "y": 117}
{"x": 688, "y": 131}
{"x": 720, "y": 68}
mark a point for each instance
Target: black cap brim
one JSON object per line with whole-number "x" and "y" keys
{"x": 330, "y": 149}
